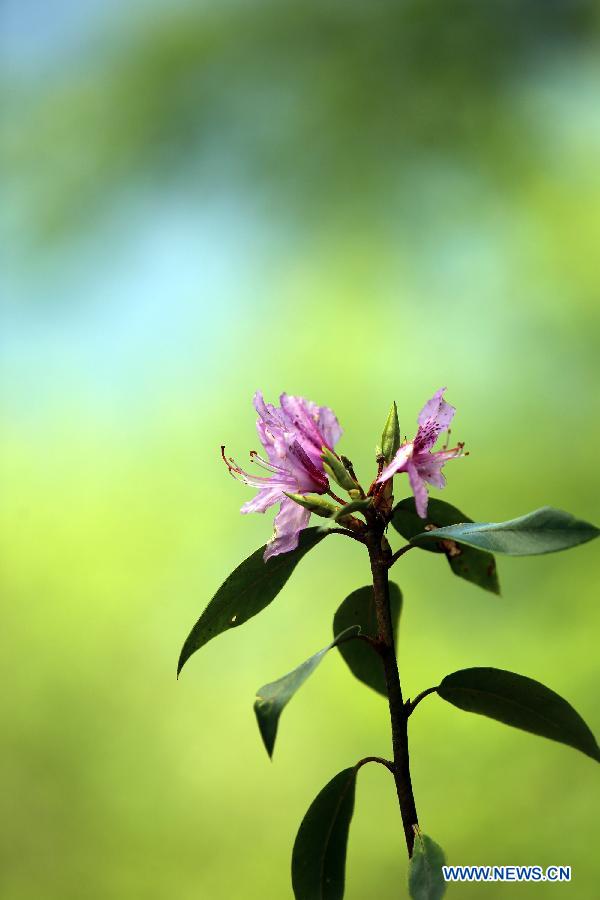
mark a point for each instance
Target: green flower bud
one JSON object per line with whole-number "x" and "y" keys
{"x": 315, "y": 504}
{"x": 390, "y": 439}
{"x": 337, "y": 471}
{"x": 329, "y": 471}
{"x": 344, "y": 512}
{"x": 358, "y": 505}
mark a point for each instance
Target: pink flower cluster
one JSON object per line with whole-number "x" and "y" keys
{"x": 294, "y": 436}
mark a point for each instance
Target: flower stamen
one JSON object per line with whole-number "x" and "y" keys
{"x": 230, "y": 463}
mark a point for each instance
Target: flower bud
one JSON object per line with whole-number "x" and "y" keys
{"x": 390, "y": 439}
{"x": 358, "y": 505}
{"x": 343, "y": 514}
{"x": 315, "y": 504}
{"x": 337, "y": 471}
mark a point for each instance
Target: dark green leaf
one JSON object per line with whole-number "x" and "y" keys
{"x": 319, "y": 855}
{"x": 359, "y": 609}
{"x": 425, "y": 876}
{"x": 249, "y": 588}
{"x": 521, "y": 702}
{"x": 476, "y": 566}
{"x": 543, "y": 531}
{"x": 271, "y": 698}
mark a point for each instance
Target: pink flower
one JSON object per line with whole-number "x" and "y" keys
{"x": 293, "y": 436}
{"x": 417, "y": 459}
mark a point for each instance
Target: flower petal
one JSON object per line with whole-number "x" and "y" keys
{"x": 430, "y": 469}
{"x": 310, "y": 475}
{"x": 302, "y": 416}
{"x": 398, "y": 464}
{"x": 419, "y": 489}
{"x": 437, "y": 410}
{"x": 434, "y": 418}
{"x": 269, "y": 414}
{"x": 329, "y": 427}
{"x": 318, "y": 424}
{"x": 273, "y": 440}
{"x": 289, "y": 522}
{"x": 266, "y": 497}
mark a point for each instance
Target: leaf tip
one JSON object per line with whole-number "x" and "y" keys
{"x": 183, "y": 658}
{"x": 268, "y": 734}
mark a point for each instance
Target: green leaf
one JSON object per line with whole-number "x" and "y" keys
{"x": 425, "y": 876}
{"x": 248, "y": 590}
{"x": 521, "y": 702}
{"x": 476, "y": 566}
{"x": 271, "y": 698}
{"x": 544, "y": 531}
{"x": 390, "y": 439}
{"x": 319, "y": 855}
{"x": 359, "y": 609}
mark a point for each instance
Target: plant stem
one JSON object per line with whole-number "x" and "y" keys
{"x": 399, "y": 553}
{"x": 379, "y": 559}
{"x": 347, "y": 532}
{"x": 376, "y": 759}
{"x": 411, "y": 704}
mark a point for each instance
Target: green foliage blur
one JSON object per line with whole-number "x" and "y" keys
{"x": 357, "y": 202}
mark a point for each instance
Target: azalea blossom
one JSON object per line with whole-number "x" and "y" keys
{"x": 416, "y": 457}
{"x": 293, "y": 436}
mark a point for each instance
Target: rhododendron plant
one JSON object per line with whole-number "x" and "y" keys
{"x": 303, "y": 465}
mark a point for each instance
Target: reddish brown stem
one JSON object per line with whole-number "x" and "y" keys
{"x": 380, "y": 561}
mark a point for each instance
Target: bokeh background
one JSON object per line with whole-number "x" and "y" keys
{"x": 352, "y": 201}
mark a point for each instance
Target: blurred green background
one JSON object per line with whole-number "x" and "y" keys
{"x": 355, "y": 202}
